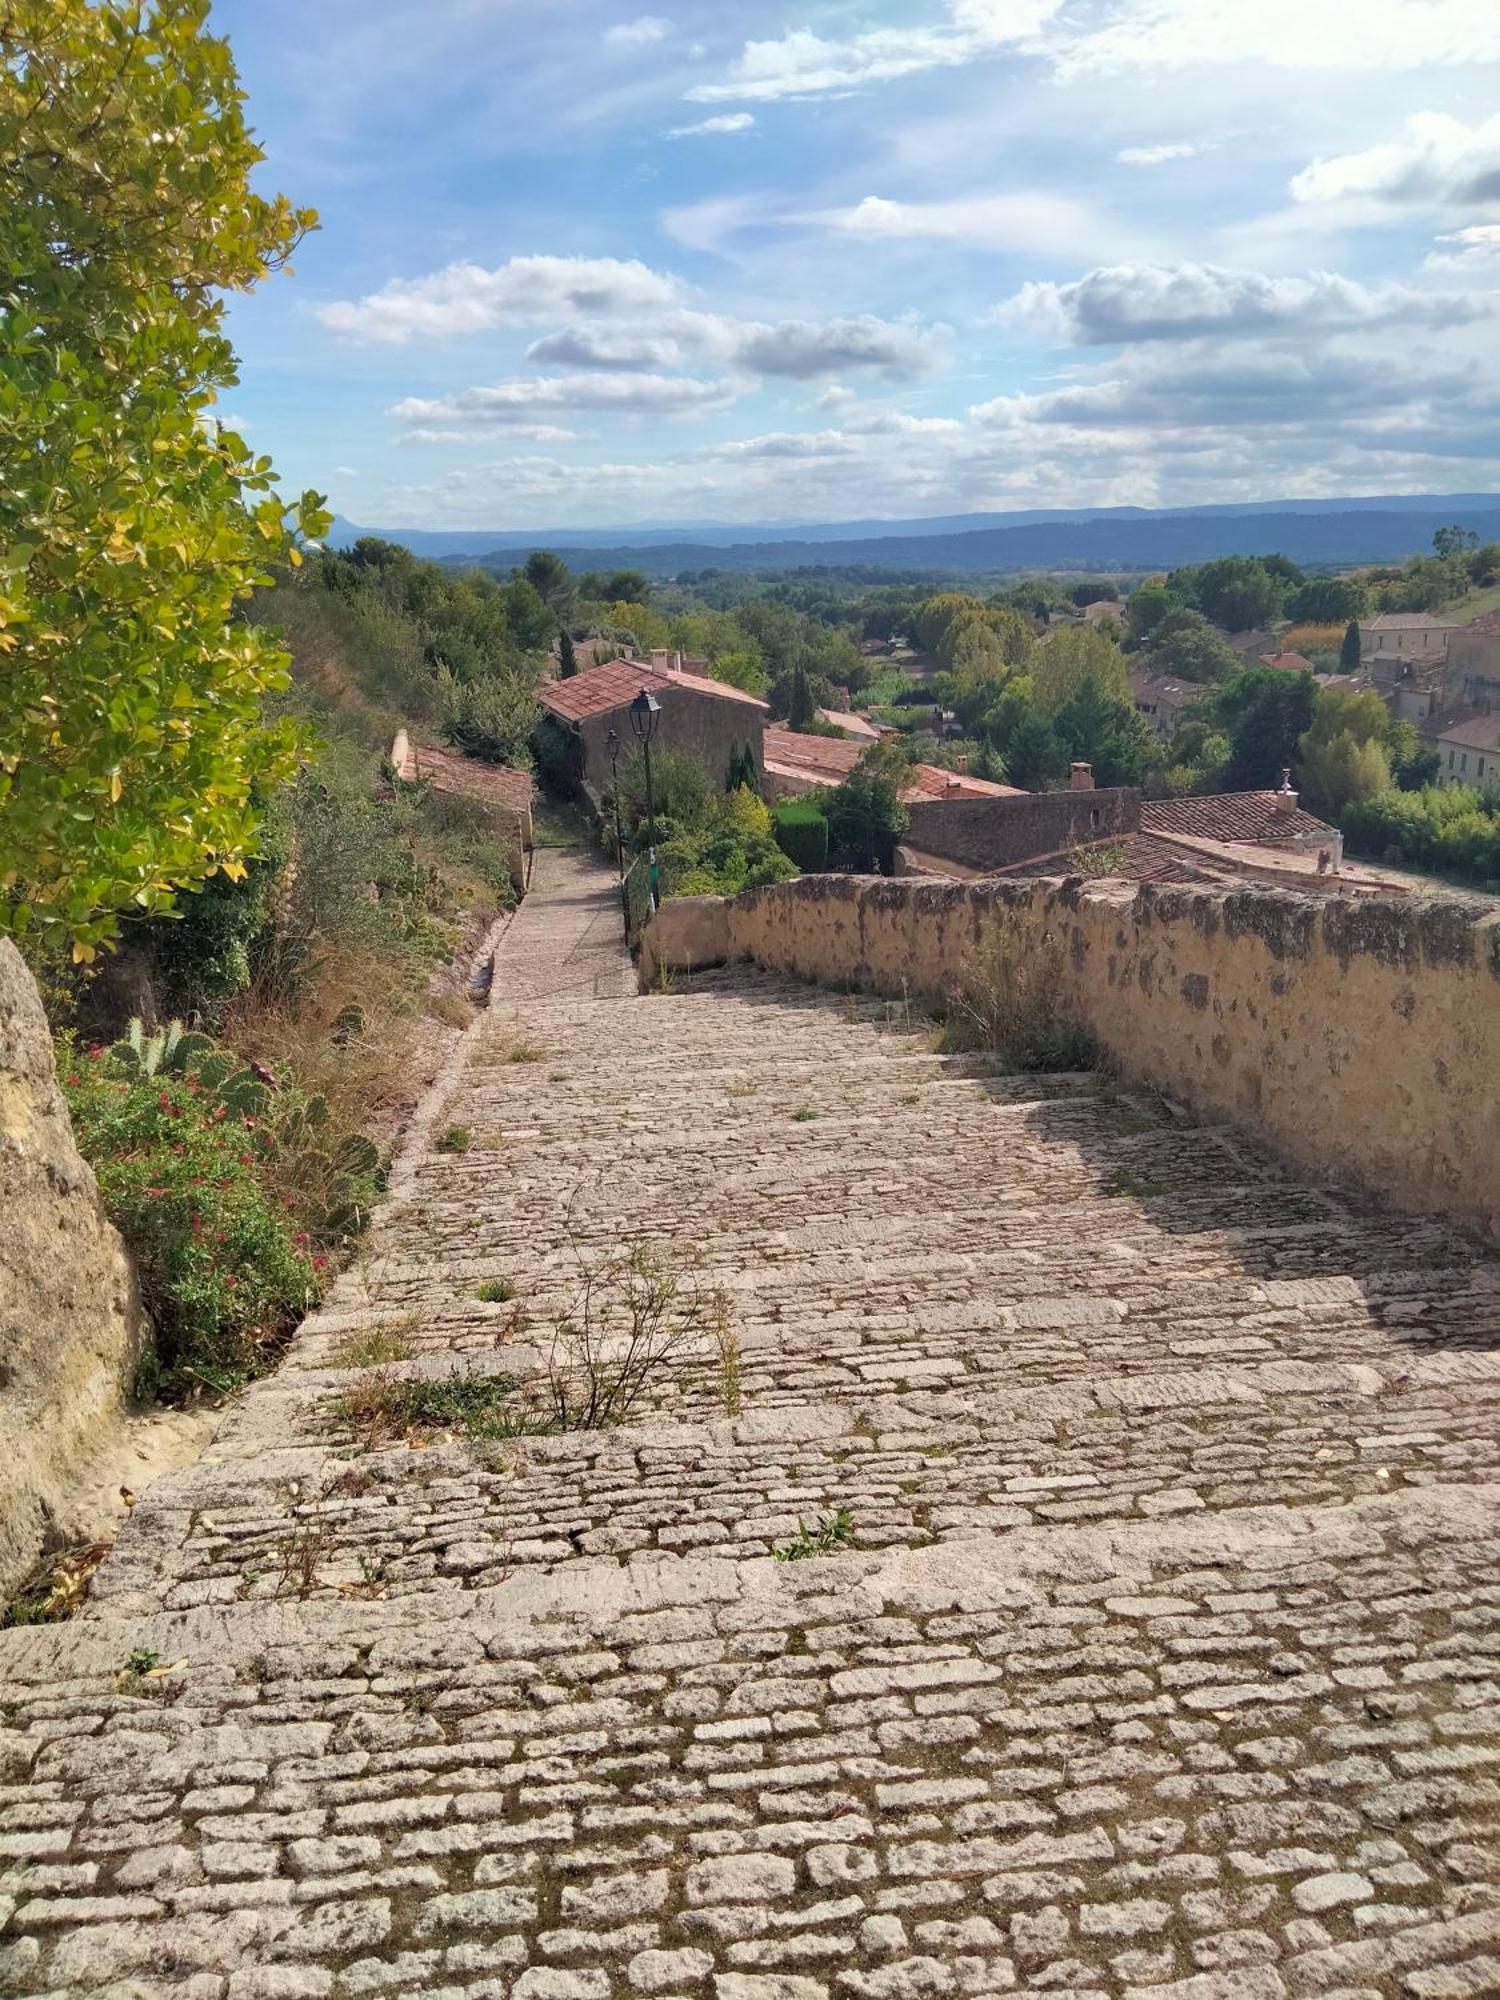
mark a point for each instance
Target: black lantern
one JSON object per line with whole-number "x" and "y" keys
{"x": 645, "y": 714}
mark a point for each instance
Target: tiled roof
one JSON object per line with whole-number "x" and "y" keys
{"x": 1467, "y": 727}
{"x": 1231, "y": 816}
{"x": 1137, "y": 855}
{"x": 1165, "y": 687}
{"x": 1404, "y": 621}
{"x": 828, "y": 760}
{"x": 449, "y": 771}
{"x": 849, "y": 724}
{"x": 616, "y": 684}
{"x": 1287, "y": 663}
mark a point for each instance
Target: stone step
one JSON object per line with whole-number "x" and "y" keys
{"x": 1255, "y": 1751}
{"x": 327, "y": 1517}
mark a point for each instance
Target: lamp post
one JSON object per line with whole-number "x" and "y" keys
{"x": 645, "y": 714}
{"x": 612, "y": 743}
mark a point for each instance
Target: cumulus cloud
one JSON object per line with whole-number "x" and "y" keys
{"x": 707, "y": 128}
{"x": 638, "y": 34}
{"x": 779, "y": 445}
{"x": 1156, "y": 156}
{"x": 1144, "y": 35}
{"x": 1046, "y": 223}
{"x": 1132, "y": 302}
{"x": 1440, "y": 162}
{"x": 800, "y": 63}
{"x": 601, "y": 347}
{"x": 467, "y": 298}
{"x": 804, "y": 350}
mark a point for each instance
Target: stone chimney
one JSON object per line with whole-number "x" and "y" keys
{"x": 1285, "y": 797}
{"x": 1081, "y": 778}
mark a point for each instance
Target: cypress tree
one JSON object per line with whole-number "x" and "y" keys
{"x": 1349, "y": 651}
{"x": 567, "y": 659}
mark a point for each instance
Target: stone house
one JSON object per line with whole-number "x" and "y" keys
{"x": 1472, "y": 679}
{"x": 706, "y": 719}
{"x": 1468, "y": 746}
{"x": 1163, "y": 700}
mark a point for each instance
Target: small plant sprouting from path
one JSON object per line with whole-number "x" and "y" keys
{"x": 636, "y": 1318}
{"x": 457, "y": 1139}
{"x": 385, "y": 1408}
{"x": 496, "y": 1292}
{"x": 827, "y": 1535}
{"x": 375, "y": 1347}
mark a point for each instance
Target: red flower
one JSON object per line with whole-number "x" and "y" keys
{"x": 230, "y": 1280}
{"x": 96, "y": 1052}
{"x": 320, "y": 1263}
{"x": 247, "y": 1159}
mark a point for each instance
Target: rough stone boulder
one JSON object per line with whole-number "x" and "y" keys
{"x": 71, "y": 1325}
{"x": 686, "y": 933}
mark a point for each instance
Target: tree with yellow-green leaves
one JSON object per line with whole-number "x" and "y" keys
{"x": 133, "y": 735}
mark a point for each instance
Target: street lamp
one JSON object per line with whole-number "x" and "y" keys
{"x": 612, "y": 744}
{"x": 645, "y": 714}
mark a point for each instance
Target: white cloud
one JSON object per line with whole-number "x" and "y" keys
{"x": 1477, "y": 249}
{"x": 803, "y": 64}
{"x": 1156, "y": 156}
{"x": 1050, "y": 224}
{"x": 1345, "y": 35}
{"x": 876, "y": 422}
{"x": 804, "y": 350}
{"x": 504, "y": 405}
{"x": 1441, "y": 162}
{"x": 454, "y": 433}
{"x": 598, "y": 347}
{"x": 638, "y": 34}
{"x": 779, "y": 445}
{"x": 467, "y": 298}
{"x": 707, "y": 128}
{"x": 1134, "y": 302}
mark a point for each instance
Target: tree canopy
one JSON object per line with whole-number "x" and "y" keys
{"x": 132, "y": 523}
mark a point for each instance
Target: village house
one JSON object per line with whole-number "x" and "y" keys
{"x": 503, "y": 793}
{"x": 1287, "y": 663}
{"x": 1164, "y": 700}
{"x": 706, "y": 719}
{"x": 1472, "y": 679}
{"x": 1406, "y": 634}
{"x": 1468, "y": 745}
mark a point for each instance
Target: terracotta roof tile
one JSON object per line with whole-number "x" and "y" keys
{"x": 450, "y": 771}
{"x": 828, "y": 760}
{"x": 1287, "y": 663}
{"x": 1252, "y": 817}
{"x": 616, "y": 683}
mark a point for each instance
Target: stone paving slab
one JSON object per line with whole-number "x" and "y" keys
{"x": 1162, "y": 1661}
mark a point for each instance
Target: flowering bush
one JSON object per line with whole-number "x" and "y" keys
{"x": 224, "y": 1271}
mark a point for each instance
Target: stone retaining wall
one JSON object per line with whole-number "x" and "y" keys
{"x": 1363, "y": 1040}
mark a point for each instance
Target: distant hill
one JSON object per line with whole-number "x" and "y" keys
{"x": 1380, "y": 529}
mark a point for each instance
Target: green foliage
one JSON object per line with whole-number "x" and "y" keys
{"x": 729, "y": 847}
{"x": 743, "y": 770}
{"x": 865, "y": 814}
{"x": 1345, "y": 754}
{"x": 1452, "y": 830}
{"x": 494, "y": 718}
{"x": 1265, "y": 715}
{"x": 224, "y": 1271}
{"x": 801, "y": 832}
{"x": 132, "y": 524}
{"x": 567, "y": 657}
{"x": 1349, "y": 650}
{"x": 1184, "y": 646}
{"x": 456, "y": 1139}
{"x": 1239, "y": 593}
{"x": 551, "y": 579}
{"x": 827, "y": 1535}
{"x": 1328, "y": 600}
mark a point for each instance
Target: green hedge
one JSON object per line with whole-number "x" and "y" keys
{"x": 802, "y": 833}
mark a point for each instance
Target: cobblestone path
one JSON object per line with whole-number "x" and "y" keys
{"x": 1160, "y": 1659}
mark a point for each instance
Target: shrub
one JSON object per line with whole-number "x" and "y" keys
{"x": 802, "y": 834}
{"x": 1009, "y": 1003}
{"x": 225, "y": 1273}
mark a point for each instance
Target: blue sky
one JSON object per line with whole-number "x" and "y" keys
{"x": 586, "y": 265}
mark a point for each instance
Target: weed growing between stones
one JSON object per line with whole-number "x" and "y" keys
{"x": 828, "y": 1534}
{"x": 803, "y": 1114}
{"x": 635, "y": 1319}
{"x": 731, "y": 1381}
{"x": 377, "y": 1345}
{"x": 457, "y": 1139}
{"x": 385, "y": 1408}
{"x": 1010, "y": 1003}
{"x": 496, "y": 1292}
